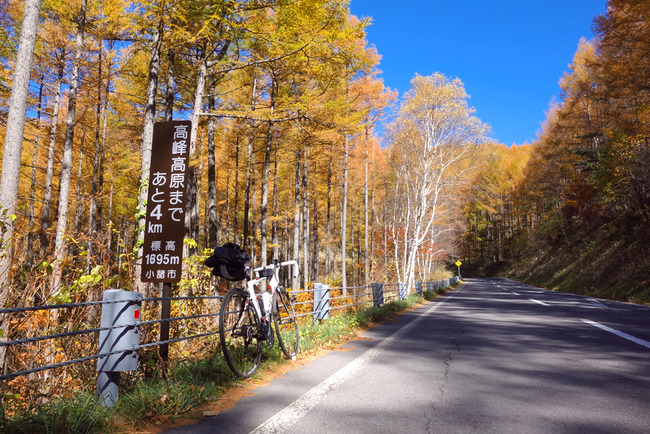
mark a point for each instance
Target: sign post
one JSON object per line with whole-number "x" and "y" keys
{"x": 162, "y": 252}
{"x": 458, "y": 264}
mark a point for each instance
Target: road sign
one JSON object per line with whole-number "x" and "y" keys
{"x": 162, "y": 252}
{"x": 458, "y": 263}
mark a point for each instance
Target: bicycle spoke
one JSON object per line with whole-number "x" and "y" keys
{"x": 286, "y": 324}
{"x": 239, "y": 336}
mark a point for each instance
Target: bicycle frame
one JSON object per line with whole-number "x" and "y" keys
{"x": 271, "y": 283}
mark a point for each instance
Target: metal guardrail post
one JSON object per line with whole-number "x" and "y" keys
{"x": 430, "y": 287}
{"x": 122, "y": 312}
{"x": 321, "y": 301}
{"x": 403, "y": 291}
{"x": 377, "y": 294}
{"x": 418, "y": 288}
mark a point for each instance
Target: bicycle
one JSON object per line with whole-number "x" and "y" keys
{"x": 248, "y": 319}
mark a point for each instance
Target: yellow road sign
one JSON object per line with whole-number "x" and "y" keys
{"x": 458, "y": 263}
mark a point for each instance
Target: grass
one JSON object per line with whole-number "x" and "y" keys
{"x": 82, "y": 414}
{"x": 187, "y": 385}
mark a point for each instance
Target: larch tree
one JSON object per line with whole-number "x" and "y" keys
{"x": 373, "y": 99}
{"x": 155, "y": 44}
{"x": 66, "y": 163}
{"x": 13, "y": 145}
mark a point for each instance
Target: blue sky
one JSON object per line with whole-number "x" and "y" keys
{"x": 510, "y": 54}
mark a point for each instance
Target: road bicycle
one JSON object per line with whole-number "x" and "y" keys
{"x": 250, "y": 318}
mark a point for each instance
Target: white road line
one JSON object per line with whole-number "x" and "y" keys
{"x": 618, "y": 333}
{"x": 596, "y": 302}
{"x": 515, "y": 293}
{"x": 284, "y": 419}
{"x": 540, "y": 302}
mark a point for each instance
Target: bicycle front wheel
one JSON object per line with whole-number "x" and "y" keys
{"x": 286, "y": 324}
{"x": 239, "y": 334}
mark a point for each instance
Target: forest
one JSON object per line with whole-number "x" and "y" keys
{"x": 570, "y": 211}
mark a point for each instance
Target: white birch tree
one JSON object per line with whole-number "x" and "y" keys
{"x": 432, "y": 140}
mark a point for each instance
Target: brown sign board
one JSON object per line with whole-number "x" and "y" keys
{"x": 162, "y": 252}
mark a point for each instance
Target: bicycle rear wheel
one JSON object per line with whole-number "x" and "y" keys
{"x": 239, "y": 334}
{"x": 286, "y": 324}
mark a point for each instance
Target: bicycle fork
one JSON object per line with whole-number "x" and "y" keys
{"x": 264, "y": 317}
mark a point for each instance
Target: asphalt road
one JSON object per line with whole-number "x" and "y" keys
{"x": 491, "y": 356}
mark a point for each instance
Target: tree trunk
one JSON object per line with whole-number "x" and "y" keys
{"x": 344, "y": 218}
{"x": 296, "y": 217}
{"x": 32, "y": 195}
{"x": 304, "y": 212}
{"x": 95, "y": 207}
{"x": 328, "y": 223}
{"x": 147, "y": 140}
{"x": 247, "y": 191}
{"x": 366, "y": 241}
{"x": 49, "y": 174}
{"x": 315, "y": 240}
{"x": 235, "y": 227}
{"x": 265, "y": 182}
{"x": 80, "y": 193}
{"x": 195, "y": 216}
{"x": 170, "y": 94}
{"x": 13, "y": 146}
{"x": 275, "y": 236}
{"x": 192, "y": 204}
{"x": 371, "y": 265}
{"x": 66, "y": 161}
{"x": 212, "y": 182}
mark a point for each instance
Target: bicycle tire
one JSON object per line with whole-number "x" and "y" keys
{"x": 239, "y": 334}
{"x": 286, "y": 324}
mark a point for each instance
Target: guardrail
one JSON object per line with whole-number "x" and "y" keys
{"x": 121, "y": 333}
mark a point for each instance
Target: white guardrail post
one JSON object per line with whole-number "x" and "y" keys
{"x": 120, "y": 313}
{"x": 321, "y": 301}
{"x": 403, "y": 290}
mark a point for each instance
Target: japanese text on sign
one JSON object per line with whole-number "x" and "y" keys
{"x": 165, "y": 220}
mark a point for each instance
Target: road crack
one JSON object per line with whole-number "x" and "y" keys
{"x": 456, "y": 348}
{"x": 447, "y": 363}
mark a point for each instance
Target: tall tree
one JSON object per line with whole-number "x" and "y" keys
{"x": 147, "y": 138}
{"x": 373, "y": 98}
{"x": 433, "y": 138}
{"x": 13, "y": 145}
{"x": 66, "y": 163}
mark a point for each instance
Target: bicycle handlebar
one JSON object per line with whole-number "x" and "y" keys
{"x": 278, "y": 264}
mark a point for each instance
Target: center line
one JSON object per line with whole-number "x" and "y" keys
{"x": 287, "y": 417}
{"x": 618, "y": 333}
{"x": 540, "y": 302}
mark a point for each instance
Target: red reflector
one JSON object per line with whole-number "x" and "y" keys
{"x": 136, "y": 313}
